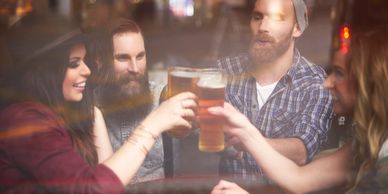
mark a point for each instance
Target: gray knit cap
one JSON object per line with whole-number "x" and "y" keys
{"x": 300, "y": 9}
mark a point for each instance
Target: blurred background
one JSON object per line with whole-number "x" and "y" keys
{"x": 179, "y": 32}
{"x": 197, "y": 32}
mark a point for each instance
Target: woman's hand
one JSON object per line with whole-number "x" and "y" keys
{"x": 176, "y": 112}
{"x": 236, "y": 125}
{"x": 225, "y": 187}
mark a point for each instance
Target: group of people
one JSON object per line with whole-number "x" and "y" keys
{"x": 54, "y": 137}
{"x": 82, "y": 116}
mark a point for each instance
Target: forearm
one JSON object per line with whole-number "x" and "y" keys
{"x": 173, "y": 113}
{"x": 126, "y": 161}
{"x": 320, "y": 174}
{"x": 104, "y": 149}
{"x": 101, "y": 137}
{"x": 276, "y": 166}
{"x": 292, "y": 148}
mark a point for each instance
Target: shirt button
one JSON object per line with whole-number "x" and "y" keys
{"x": 254, "y": 106}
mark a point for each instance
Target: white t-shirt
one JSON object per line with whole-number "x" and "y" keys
{"x": 263, "y": 92}
{"x": 384, "y": 150}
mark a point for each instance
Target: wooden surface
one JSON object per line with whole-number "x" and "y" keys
{"x": 198, "y": 185}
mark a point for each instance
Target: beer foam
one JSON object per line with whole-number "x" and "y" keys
{"x": 184, "y": 74}
{"x": 212, "y": 81}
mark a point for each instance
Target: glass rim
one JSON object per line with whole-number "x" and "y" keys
{"x": 183, "y": 68}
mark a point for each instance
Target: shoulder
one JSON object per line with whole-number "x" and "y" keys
{"x": 384, "y": 150}
{"x": 382, "y": 169}
{"x": 310, "y": 69}
{"x": 234, "y": 64}
{"x": 376, "y": 180}
{"x": 27, "y": 117}
{"x": 98, "y": 113}
{"x": 303, "y": 68}
{"x": 26, "y": 110}
{"x": 308, "y": 76}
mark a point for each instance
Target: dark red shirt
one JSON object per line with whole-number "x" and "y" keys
{"x": 37, "y": 155}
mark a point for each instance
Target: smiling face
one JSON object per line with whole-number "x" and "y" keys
{"x": 130, "y": 62}
{"x": 339, "y": 84}
{"x": 273, "y": 28}
{"x": 76, "y": 75}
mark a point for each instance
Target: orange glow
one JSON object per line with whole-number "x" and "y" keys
{"x": 23, "y": 7}
{"x": 345, "y": 34}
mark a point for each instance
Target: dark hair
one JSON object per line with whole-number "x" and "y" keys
{"x": 40, "y": 75}
{"x": 43, "y": 83}
{"x": 101, "y": 52}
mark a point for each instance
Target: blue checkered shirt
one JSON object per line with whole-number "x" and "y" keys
{"x": 299, "y": 107}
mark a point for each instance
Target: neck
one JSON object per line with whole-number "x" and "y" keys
{"x": 272, "y": 72}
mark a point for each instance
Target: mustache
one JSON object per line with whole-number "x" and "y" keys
{"x": 263, "y": 37}
{"x": 124, "y": 79}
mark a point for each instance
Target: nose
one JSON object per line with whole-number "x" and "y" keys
{"x": 133, "y": 66}
{"x": 260, "y": 26}
{"x": 85, "y": 70}
{"x": 329, "y": 82}
{"x": 263, "y": 25}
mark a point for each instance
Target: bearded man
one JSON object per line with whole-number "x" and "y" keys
{"x": 280, "y": 91}
{"x": 123, "y": 92}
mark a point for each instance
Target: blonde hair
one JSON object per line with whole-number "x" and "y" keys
{"x": 368, "y": 68}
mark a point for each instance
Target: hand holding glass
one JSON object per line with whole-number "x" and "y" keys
{"x": 181, "y": 79}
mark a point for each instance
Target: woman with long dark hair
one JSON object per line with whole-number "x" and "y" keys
{"x": 52, "y": 138}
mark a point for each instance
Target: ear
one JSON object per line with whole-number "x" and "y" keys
{"x": 296, "y": 32}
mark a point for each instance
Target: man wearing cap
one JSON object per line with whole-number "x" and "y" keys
{"x": 280, "y": 91}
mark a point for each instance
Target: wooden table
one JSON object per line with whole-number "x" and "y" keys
{"x": 199, "y": 185}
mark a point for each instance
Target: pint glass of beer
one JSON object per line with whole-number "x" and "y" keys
{"x": 210, "y": 91}
{"x": 181, "y": 79}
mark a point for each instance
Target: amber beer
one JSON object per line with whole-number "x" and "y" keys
{"x": 210, "y": 90}
{"x": 181, "y": 79}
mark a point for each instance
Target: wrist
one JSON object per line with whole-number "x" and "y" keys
{"x": 251, "y": 137}
{"x": 146, "y": 130}
{"x": 249, "y": 133}
{"x": 150, "y": 127}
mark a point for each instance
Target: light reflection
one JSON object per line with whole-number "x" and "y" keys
{"x": 182, "y": 8}
{"x": 275, "y": 10}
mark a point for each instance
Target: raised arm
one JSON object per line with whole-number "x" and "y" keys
{"x": 320, "y": 174}
{"x": 174, "y": 112}
{"x": 101, "y": 137}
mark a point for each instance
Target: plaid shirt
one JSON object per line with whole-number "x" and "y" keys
{"x": 299, "y": 107}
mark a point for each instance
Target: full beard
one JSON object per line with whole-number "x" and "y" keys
{"x": 131, "y": 86}
{"x": 270, "y": 50}
{"x": 126, "y": 94}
